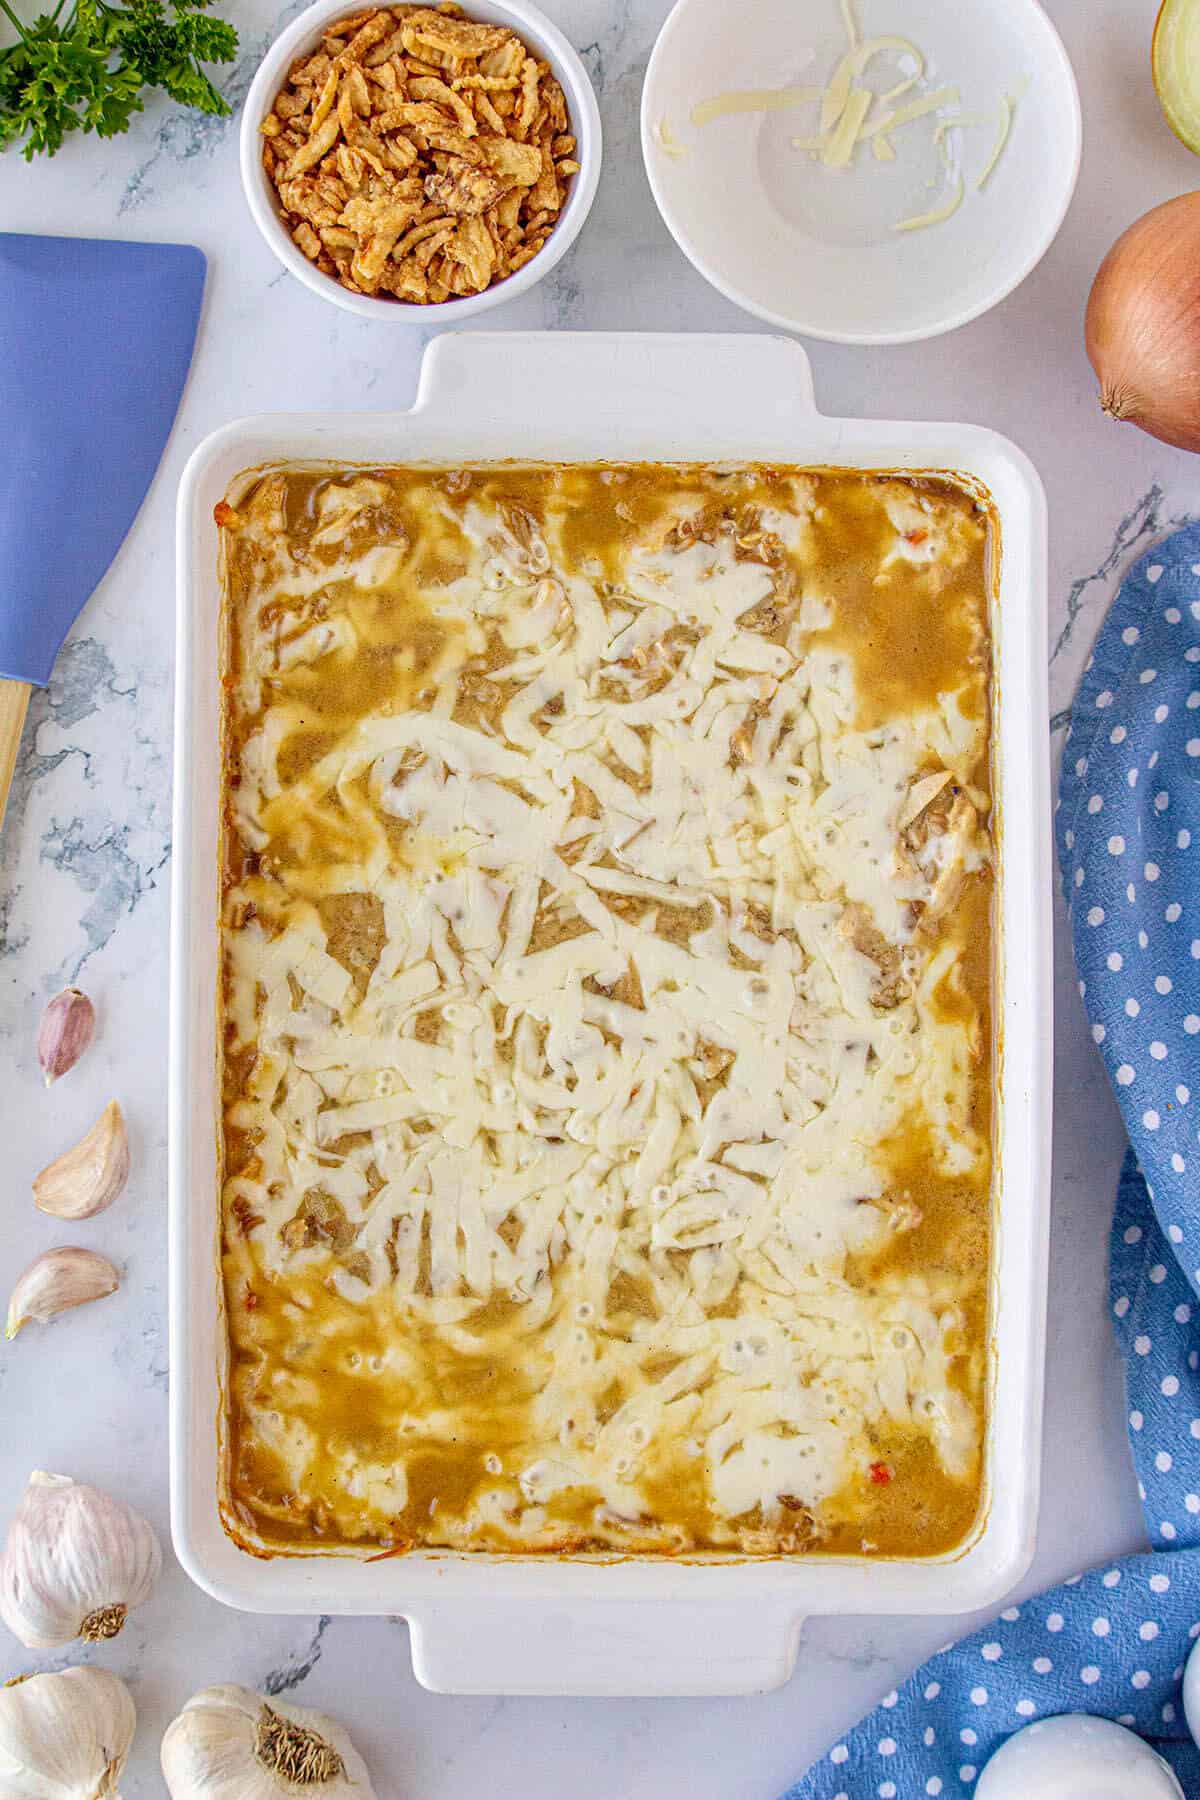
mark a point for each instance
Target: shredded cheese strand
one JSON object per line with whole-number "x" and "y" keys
{"x": 666, "y": 140}
{"x": 1007, "y": 107}
{"x": 939, "y": 213}
{"x": 955, "y": 122}
{"x": 901, "y": 87}
{"x": 751, "y": 100}
{"x": 842, "y": 142}
{"x": 936, "y": 216}
{"x": 916, "y": 109}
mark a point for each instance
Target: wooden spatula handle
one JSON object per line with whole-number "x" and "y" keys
{"x": 14, "y": 703}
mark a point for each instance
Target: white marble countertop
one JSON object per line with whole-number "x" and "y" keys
{"x": 83, "y": 896}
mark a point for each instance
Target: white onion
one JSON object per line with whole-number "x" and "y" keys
{"x": 1143, "y": 324}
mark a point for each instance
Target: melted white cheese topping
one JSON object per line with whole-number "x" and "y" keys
{"x": 657, "y": 984}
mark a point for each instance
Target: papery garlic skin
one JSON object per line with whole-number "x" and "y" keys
{"x": 56, "y": 1281}
{"x": 66, "y": 1030}
{"x": 77, "y": 1560}
{"x": 230, "y": 1743}
{"x": 65, "y": 1736}
{"x": 89, "y": 1176}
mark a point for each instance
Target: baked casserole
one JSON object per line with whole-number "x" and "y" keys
{"x": 607, "y": 1030}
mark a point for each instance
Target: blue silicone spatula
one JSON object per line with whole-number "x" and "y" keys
{"x": 95, "y": 342}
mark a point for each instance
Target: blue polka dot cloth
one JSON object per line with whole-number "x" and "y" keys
{"x": 1128, "y": 829}
{"x": 1114, "y": 1640}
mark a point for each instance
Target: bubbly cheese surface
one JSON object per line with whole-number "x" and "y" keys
{"x": 607, "y": 1029}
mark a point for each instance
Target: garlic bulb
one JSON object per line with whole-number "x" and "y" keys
{"x": 65, "y": 1736}
{"x": 89, "y": 1176}
{"x": 230, "y": 1743}
{"x": 57, "y": 1280}
{"x": 75, "y": 1562}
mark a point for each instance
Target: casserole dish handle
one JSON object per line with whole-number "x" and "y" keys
{"x": 603, "y": 1648}
{"x": 511, "y": 383}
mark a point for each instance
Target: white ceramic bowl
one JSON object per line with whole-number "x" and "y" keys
{"x": 541, "y": 35}
{"x": 815, "y": 250}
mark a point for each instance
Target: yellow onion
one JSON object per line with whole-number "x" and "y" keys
{"x": 1143, "y": 324}
{"x": 1175, "y": 61}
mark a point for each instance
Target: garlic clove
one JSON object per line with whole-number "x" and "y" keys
{"x": 230, "y": 1743}
{"x": 65, "y": 1736}
{"x": 57, "y": 1280}
{"x": 76, "y": 1561}
{"x": 65, "y": 1032}
{"x": 88, "y": 1177}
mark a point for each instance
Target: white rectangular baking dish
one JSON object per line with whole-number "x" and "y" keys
{"x": 489, "y": 1624}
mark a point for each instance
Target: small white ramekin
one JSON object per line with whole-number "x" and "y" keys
{"x": 542, "y": 36}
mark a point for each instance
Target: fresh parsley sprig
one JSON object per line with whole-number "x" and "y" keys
{"x": 85, "y": 67}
